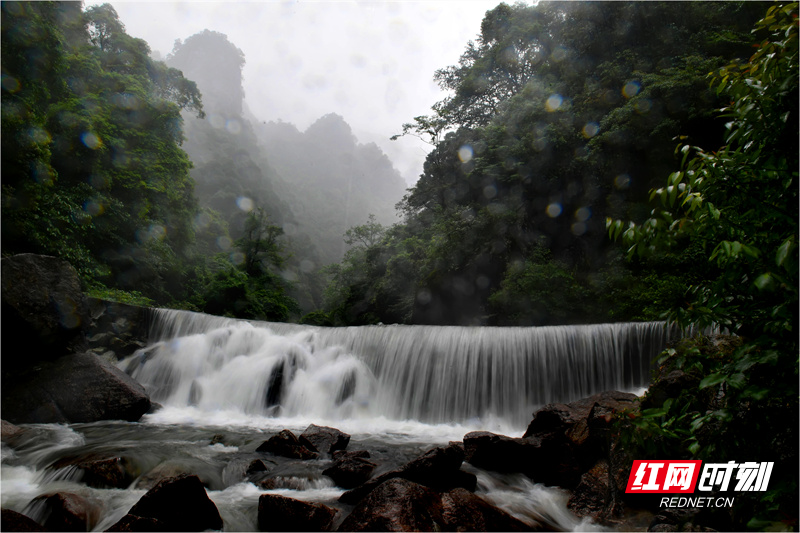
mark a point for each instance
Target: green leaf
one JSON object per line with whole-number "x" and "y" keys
{"x": 783, "y": 251}
{"x": 711, "y": 380}
{"x": 764, "y": 281}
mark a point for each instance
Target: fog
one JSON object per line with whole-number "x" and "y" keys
{"x": 370, "y": 62}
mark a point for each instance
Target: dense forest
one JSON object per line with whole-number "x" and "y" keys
{"x": 155, "y": 181}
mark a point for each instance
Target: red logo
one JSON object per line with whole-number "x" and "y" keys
{"x": 649, "y": 477}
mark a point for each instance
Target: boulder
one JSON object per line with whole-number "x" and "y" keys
{"x": 42, "y": 302}
{"x": 593, "y": 495}
{"x": 9, "y": 433}
{"x": 118, "y": 328}
{"x": 402, "y": 505}
{"x": 73, "y": 389}
{"x": 500, "y": 453}
{"x": 438, "y": 468}
{"x": 464, "y": 511}
{"x": 571, "y": 438}
{"x": 350, "y": 470}
{"x": 397, "y": 505}
{"x": 278, "y": 513}
{"x": 178, "y": 504}
{"x": 286, "y": 444}
{"x": 64, "y": 511}
{"x": 99, "y": 471}
{"x": 323, "y": 439}
{"x": 14, "y": 521}
{"x": 131, "y": 522}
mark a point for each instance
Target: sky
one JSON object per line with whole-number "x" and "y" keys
{"x": 370, "y": 62}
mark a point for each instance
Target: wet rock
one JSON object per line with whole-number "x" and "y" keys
{"x": 275, "y": 385}
{"x": 131, "y": 522}
{"x": 438, "y": 468}
{"x": 179, "y": 504}
{"x": 286, "y": 444}
{"x": 42, "y": 302}
{"x": 14, "y": 521}
{"x": 119, "y": 328}
{"x": 593, "y": 495}
{"x": 218, "y": 438}
{"x": 325, "y": 440}
{"x": 668, "y": 385}
{"x": 9, "y": 433}
{"x": 397, "y": 505}
{"x": 100, "y": 472}
{"x": 363, "y": 454}
{"x": 165, "y": 470}
{"x": 500, "y": 453}
{"x": 72, "y": 389}
{"x": 570, "y": 438}
{"x": 350, "y": 470}
{"x": 64, "y": 511}
{"x": 278, "y": 513}
{"x": 464, "y": 511}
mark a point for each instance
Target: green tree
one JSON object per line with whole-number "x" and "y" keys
{"x": 739, "y": 206}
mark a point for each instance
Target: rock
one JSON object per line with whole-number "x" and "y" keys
{"x": 100, "y": 472}
{"x": 593, "y": 495}
{"x": 571, "y": 438}
{"x": 117, "y": 327}
{"x": 64, "y": 511}
{"x": 9, "y": 433}
{"x": 464, "y": 511}
{"x": 402, "y": 505}
{"x": 438, "y": 468}
{"x": 397, "y": 505}
{"x": 72, "y": 389}
{"x": 42, "y": 302}
{"x": 131, "y": 522}
{"x": 14, "y": 521}
{"x": 256, "y": 466}
{"x": 364, "y": 454}
{"x": 350, "y": 470}
{"x": 323, "y": 439}
{"x": 499, "y": 452}
{"x": 668, "y": 386}
{"x": 179, "y": 504}
{"x": 218, "y": 438}
{"x": 278, "y": 513}
{"x": 286, "y": 444}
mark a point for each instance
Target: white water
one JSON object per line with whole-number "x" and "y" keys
{"x": 468, "y": 377}
{"x": 398, "y": 390}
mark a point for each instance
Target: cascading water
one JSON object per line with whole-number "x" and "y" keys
{"x": 227, "y": 385}
{"x": 462, "y": 375}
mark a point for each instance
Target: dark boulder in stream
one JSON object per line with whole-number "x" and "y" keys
{"x": 324, "y": 439}
{"x": 438, "y": 469}
{"x": 402, "y": 505}
{"x": 74, "y": 388}
{"x": 286, "y": 444}
{"x": 279, "y": 513}
{"x": 350, "y": 469}
{"x": 14, "y": 521}
{"x": 176, "y": 504}
{"x": 64, "y": 511}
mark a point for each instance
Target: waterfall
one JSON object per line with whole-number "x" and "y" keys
{"x": 430, "y": 374}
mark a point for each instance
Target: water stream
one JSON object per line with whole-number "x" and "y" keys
{"x": 228, "y": 385}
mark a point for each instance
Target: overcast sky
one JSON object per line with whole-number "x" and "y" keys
{"x": 371, "y": 62}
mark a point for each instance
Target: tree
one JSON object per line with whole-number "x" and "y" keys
{"x": 738, "y": 205}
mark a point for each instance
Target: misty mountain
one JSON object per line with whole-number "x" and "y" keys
{"x": 332, "y": 181}
{"x": 314, "y": 184}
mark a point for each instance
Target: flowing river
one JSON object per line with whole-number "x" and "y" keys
{"x": 226, "y": 386}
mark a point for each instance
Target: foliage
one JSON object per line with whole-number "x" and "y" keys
{"x": 739, "y": 205}
{"x": 93, "y": 170}
{"x": 558, "y": 115}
